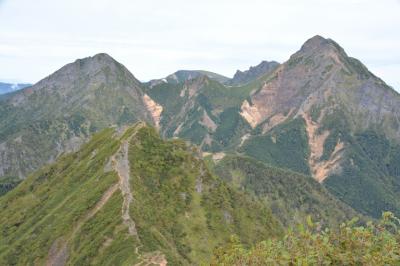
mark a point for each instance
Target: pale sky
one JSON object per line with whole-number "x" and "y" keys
{"x": 154, "y": 38}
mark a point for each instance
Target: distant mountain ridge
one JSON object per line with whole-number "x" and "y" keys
{"x": 253, "y": 72}
{"x": 183, "y": 75}
{"x": 10, "y": 87}
{"x": 240, "y": 78}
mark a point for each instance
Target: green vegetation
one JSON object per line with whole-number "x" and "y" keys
{"x": 221, "y": 96}
{"x": 379, "y": 149}
{"x": 294, "y": 61}
{"x": 168, "y": 95}
{"x": 78, "y": 209}
{"x": 7, "y": 184}
{"x": 179, "y": 203}
{"x": 369, "y": 183}
{"x": 286, "y": 146}
{"x": 290, "y": 195}
{"x": 181, "y": 76}
{"x": 373, "y": 244}
{"x": 71, "y": 210}
{"x": 231, "y": 127}
{"x": 50, "y": 204}
{"x": 221, "y": 103}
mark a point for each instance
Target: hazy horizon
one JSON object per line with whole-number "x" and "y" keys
{"x": 155, "y": 38}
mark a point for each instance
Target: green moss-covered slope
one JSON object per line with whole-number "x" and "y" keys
{"x": 124, "y": 199}
{"x": 291, "y": 196}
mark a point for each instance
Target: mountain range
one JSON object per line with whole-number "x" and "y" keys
{"x": 321, "y": 113}
{"x": 148, "y": 171}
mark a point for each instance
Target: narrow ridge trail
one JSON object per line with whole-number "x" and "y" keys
{"x": 120, "y": 164}
{"x": 58, "y": 254}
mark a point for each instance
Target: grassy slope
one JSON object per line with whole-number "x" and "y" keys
{"x": 377, "y": 243}
{"x": 286, "y": 146}
{"x": 291, "y": 196}
{"x": 49, "y": 204}
{"x": 179, "y": 208}
{"x": 195, "y": 211}
{"x": 370, "y": 182}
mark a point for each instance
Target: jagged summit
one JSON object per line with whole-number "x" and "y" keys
{"x": 254, "y": 72}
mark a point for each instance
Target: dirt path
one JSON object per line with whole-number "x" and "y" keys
{"x": 120, "y": 163}
{"x": 99, "y": 205}
{"x": 153, "y": 258}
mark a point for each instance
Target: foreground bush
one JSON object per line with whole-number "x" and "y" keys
{"x": 373, "y": 244}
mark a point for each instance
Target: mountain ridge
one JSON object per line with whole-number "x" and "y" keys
{"x": 11, "y": 87}
{"x": 127, "y": 197}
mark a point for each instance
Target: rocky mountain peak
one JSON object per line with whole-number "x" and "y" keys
{"x": 319, "y": 43}
{"x": 98, "y": 69}
{"x": 316, "y": 40}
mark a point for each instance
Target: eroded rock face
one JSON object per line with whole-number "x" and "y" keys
{"x": 208, "y": 122}
{"x": 218, "y": 156}
{"x": 154, "y": 108}
{"x": 321, "y": 169}
{"x": 294, "y": 81}
{"x": 321, "y": 75}
{"x": 251, "y": 114}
